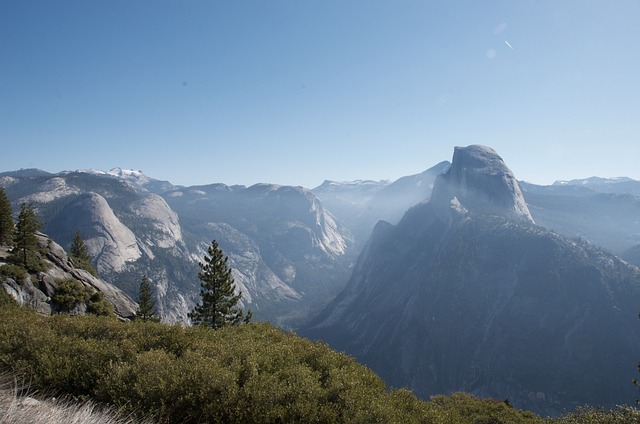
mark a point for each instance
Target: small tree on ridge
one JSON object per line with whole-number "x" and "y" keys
{"x": 218, "y": 307}
{"x": 25, "y": 249}
{"x": 80, "y": 255}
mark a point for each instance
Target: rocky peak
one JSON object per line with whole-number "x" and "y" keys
{"x": 478, "y": 181}
{"x": 165, "y": 223}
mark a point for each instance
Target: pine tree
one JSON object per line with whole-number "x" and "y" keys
{"x": 146, "y": 305}
{"x": 25, "y": 249}
{"x": 218, "y": 308}
{"x": 7, "y": 227}
{"x": 80, "y": 255}
{"x": 79, "y": 249}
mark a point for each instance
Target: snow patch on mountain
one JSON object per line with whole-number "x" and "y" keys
{"x": 594, "y": 181}
{"x": 329, "y": 184}
{"x": 118, "y": 172}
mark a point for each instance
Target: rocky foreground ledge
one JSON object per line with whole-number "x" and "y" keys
{"x": 37, "y": 289}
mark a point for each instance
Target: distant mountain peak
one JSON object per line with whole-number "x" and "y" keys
{"x": 26, "y": 172}
{"x": 479, "y": 181}
{"x": 593, "y": 181}
{"x": 135, "y": 178}
{"x": 123, "y": 173}
{"x": 119, "y": 173}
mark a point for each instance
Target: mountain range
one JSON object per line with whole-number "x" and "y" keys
{"x": 467, "y": 293}
{"x": 289, "y": 255}
{"x": 457, "y": 278}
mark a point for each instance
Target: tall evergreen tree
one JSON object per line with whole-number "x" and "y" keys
{"x": 7, "y": 227}
{"x": 80, "y": 254}
{"x": 25, "y": 249}
{"x": 146, "y": 305}
{"x": 218, "y": 307}
{"x": 79, "y": 249}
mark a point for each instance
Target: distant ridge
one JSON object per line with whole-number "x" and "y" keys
{"x": 28, "y": 172}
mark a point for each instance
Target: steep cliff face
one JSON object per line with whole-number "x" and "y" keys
{"x": 36, "y": 290}
{"x": 164, "y": 228}
{"x": 479, "y": 181}
{"x": 466, "y": 293}
{"x": 109, "y": 241}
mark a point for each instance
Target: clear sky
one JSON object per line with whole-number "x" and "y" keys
{"x": 295, "y": 92}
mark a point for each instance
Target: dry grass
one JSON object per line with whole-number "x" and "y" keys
{"x": 20, "y": 406}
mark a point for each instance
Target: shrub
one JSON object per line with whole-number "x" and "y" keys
{"x": 98, "y": 305}
{"x": 619, "y": 415}
{"x": 18, "y": 273}
{"x": 5, "y": 298}
{"x": 253, "y": 373}
{"x": 69, "y": 294}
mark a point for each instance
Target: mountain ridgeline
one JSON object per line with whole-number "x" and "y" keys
{"x": 467, "y": 293}
{"x": 288, "y": 253}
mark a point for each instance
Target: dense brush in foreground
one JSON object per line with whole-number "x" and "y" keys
{"x": 249, "y": 374}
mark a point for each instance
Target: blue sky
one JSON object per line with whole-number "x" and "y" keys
{"x": 295, "y": 92}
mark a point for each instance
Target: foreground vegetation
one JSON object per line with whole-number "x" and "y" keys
{"x": 253, "y": 373}
{"x": 18, "y": 405}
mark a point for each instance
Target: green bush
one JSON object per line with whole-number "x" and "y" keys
{"x": 589, "y": 415}
{"x": 97, "y": 304}
{"x": 69, "y": 294}
{"x": 463, "y": 407}
{"x": 18, "y": 273}
{"x": 249, "y": 374}
{"x": 5, "y": 298}
{"x": 254, "y": 373}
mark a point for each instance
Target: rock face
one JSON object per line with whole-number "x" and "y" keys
{"x": 479, "y": 181}
{"x": 288, "y": 252}
{"x": 109, "y": 241}
{"x": 165, "y": 230}
{"x": 36, "y": 292}
{"x": 466, "y": 293}
{"x": 289, "y": 255}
